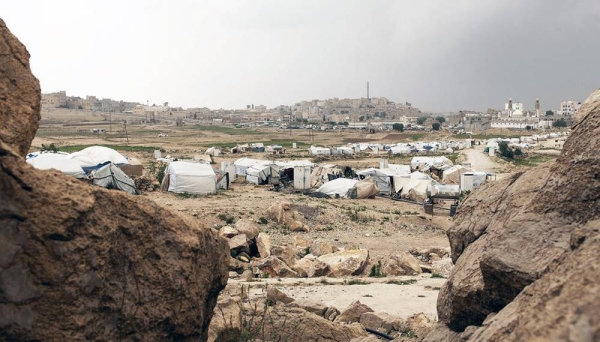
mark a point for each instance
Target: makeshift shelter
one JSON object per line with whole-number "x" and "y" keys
{"x": 57, "y": 161}
{"x": 339, "y": 187}
{"x": 94, "y": 157}
{"x": 222, "y": 179}
{"x": 452, "y": 175}
{"x": 258, "y": 173}
{"x": 322, "y": 174}
{"x": 242, "y": 165}
{"x": 413, "y": 189}
{"x": 111, "y": 176}
{"x": 190, "y": 177}
{"x": 381, "y": 178}
{"x": 363, "y": 189}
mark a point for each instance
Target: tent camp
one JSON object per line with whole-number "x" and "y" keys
{"x": 423, "y": 163}
{"x": 242, "y": 164}
{"x": 190, "y": 177}
{"x": 94, "y": 157}
{"x": 57, "y": 161}
{"x": 111, "y": 176}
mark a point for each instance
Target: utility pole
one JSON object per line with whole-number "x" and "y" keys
{"x": 125, "y": 126}
{"x": 110, "y": 121}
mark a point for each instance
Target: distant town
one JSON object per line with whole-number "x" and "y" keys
{"x": 366, "y": 112}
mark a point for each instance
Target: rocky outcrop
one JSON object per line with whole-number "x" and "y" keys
{"x": 79, "y": 262}
{"x": 402, "y": 263}
{"x": 19, "y": 94}
{"x": 520, "y": 247}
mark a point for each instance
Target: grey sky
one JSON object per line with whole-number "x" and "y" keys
{"x": 440, "y": 55}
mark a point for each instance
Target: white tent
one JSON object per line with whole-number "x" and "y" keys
{"x": 242, "y": 164}
{"x": 413, "y": 189}
{"x": 338, "y": 187}
{"x": 452, "y": 175}
{"x": 95, "y": 156}
{"x": 321, "y": 174}
{"x": 258, "y": 173}
{"x": 57, "y": 161}
{"x": 190, "y": 177}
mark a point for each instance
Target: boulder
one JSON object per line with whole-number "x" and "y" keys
{"x": 239, "y": 243}
{"x": 294, "y": 324}
{"x": 286, "y": 252}
{"x": 353, "y": 312}
{"x": 418, "y": 324}
{"x": 345, "y": 263}
{"x": 301, "y": 242}
{"x": 276, "y": 296}
{"x": 298, "y": 226}
{"x": 442, "y": 267}
{"x": 226, "y": 317}
{"x": 331, "y": 313}
{"x": 228, "y": 232}
{"x": 248, "y": 228}
{"x": 402, "y": 263}
{"x": 277, "y": 212}
{"x": 20, "y": 100}
{"x": 380, "y": 320}
{"x": 310, "y": 306}
{"x": 303, "y": 265}
{"x": 321, "y": 247}
{"x": 80, "y": 262}
{"x": 263, "y": 243}
{"x": 519, "y": 247}
{"x": 274, "y": 268}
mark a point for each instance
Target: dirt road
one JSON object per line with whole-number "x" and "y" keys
{"x": 480, "y": 161}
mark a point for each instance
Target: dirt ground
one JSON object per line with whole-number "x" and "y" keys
{"x": 380, "y": 225}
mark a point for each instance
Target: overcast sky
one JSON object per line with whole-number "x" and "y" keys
{"x": 440, "y": 55}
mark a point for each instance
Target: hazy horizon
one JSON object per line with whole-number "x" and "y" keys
{"x": 440, "y": 56}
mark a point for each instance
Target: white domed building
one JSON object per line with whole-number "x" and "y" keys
{"x": 515, "y": 117}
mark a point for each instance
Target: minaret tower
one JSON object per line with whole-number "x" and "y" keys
{"x": 510, "y": 109}
{"x": 537, "y": 107}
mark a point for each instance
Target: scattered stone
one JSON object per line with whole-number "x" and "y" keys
{"x": 239, "y": 243}
{"x": 377, "y": 320}
{"x": 273, "y": 267}
{"x": 321, "y": 247}
{"x": 298, "y": 226}
{"x": 228, "y": 232}
{"x": 263, "y": 243}
{"x": 276, "y": 296}
{"x": 442, "y": 267}
{"x": 402, "y": 263}
{"x": 353, "y": 312}
{"x": 248, "y": 228}
{"x": 331, "y": 313}
{"x": 299, "y": 241}
{"x": 310, "y": 306}
{"x": 345, "y": 263}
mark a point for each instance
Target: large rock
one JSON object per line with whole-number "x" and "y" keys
{"x": 228, "y": 232}
{"x": 282, "y": 213}
{"x": 276, "y": 296}
{"x": 310, "y": 306}
{"x": 402, "y": 263}
{"x": 239, "y": 243}
{"x": 248, "y": 228}
{"x": 353, "y": 312}
{"x": 381, "y": 320}
{"x": 286, "y": 252}
{"x": 20, "y": 94}
{"x": 226, "y": 319}
{"x": 79, "y": 262}
{"x": 345, "y": 263}
{"x": 442, "y": 267}
{"x": 321, "y": 247}
{"x": 273, "y": 267}
{"x": 520, "y": 254}
{"x": 263, "y": 243}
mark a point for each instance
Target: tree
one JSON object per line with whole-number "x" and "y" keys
{"x": 528, "y": 128}
{"x": 361, "y": 118}
{"x": 559, "y": 123}
{"x": 549, "y": 113}
{"x": 398, "y": 127}
{"x": 441, "y": 119}
{"x": 421, "y": 120}
{"x": 435, "y": 126}
{"x": 505, "y": 150}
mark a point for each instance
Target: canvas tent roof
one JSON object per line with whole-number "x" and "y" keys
{"x": 111, "y": 177}
{"x": 191, "y": 177}
{"x": 338, "y": 186}
{"x": 413, "y": 189}
{"x": 57, "y": 161}
{"x": 95, "y": 156}
{"x": 452, "y": 175}
{"x": 320, "y": 174}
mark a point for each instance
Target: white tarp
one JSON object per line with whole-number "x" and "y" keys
{"x": 381, "y": 177}
{"x": 57, "y": 161}
{"x": 452, "y": 175}
{"x": 93, "y": 156}
{"x": 242, "y": 164}
{"x": 423, "y": 163}
{"x": 258, "y": 173}
{"x": 190, "y": 177}
{"x": 338, "y": 187}
{"x": 320, "y": 174}
{"x": 413, "y": 189}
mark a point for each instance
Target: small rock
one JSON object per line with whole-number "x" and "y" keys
{"x": 228, "y": 232}
{"x": 276, "y": 295}
{"x": 263, "y": 243}
{"x": 353, "y": 312}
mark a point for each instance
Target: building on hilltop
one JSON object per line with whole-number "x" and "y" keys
{"x": 568, "y": 108}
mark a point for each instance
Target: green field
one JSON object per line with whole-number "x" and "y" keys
{"x": 75, "y": 148}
